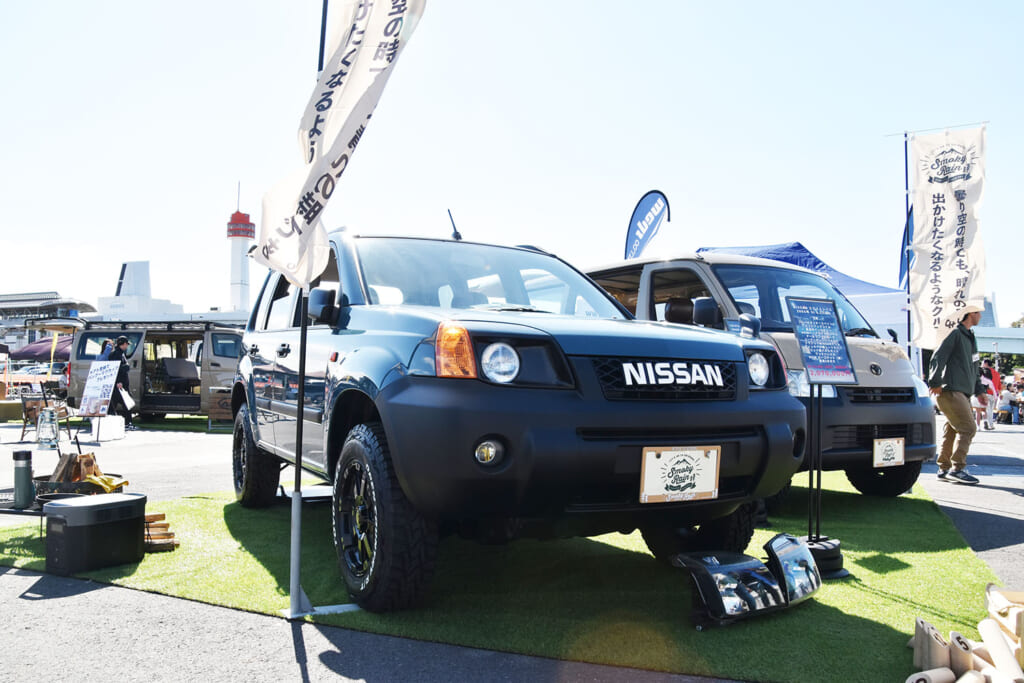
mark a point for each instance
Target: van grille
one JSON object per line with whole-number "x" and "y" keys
{"x": 863, "y": 436}
{"x": 877, "y": 395}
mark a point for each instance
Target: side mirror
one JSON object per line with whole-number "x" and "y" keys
{"x": 705, "y": 312}
{"x": 750, "y": 326}
{"x": 321, "y": 306}
{"x": 892, "y": 333}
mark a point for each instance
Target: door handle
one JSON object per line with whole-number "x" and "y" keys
{"x": 283, "y": 350}
{"x": 214, "y": 365}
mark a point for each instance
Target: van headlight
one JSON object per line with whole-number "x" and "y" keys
{"x": 500, "y": 363}
{"x": 801, "y": 388}
{"x": 921, "y": 387}
{"x": 759, "y": 369}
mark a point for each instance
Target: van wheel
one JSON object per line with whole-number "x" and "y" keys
{"x": 385, "y": 548}
{"x": 731, "y": 533}
{"x": 256, "y": 472}
{"x": 884, "y": 481}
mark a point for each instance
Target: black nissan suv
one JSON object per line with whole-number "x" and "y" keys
{"x": 496, "y": 392}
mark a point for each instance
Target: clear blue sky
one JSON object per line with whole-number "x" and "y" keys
{"x": 126, "y": 127}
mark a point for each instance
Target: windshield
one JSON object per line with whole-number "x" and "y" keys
{"x": 762, "y": 291}
{"x": 466, "y": 275}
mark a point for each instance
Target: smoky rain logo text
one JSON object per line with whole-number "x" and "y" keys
{"x": 680, "y": 473}
{"x": 950, "y": 163}
{"x": 643, "y": 374}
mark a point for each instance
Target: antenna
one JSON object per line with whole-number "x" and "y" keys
{"x": 456, "y": 235}
{"x": 238, "y": 199}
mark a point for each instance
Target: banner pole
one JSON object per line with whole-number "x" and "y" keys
{"x": 299, "y": 603}
{"x": 906, "y": 239}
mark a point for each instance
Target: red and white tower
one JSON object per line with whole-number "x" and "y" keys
{"x": 241, "y": 232}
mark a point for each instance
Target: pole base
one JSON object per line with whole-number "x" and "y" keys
{"x": 828, "y": 555}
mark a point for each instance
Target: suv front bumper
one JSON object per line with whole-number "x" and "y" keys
{"x": 569, "y": 454}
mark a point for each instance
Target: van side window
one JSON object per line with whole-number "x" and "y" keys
{"x": 281, "y": 306}
{"x": 226, "y": 345}
{"x": 624, "y": 285}
{"x": 673, "y": 292}
{"x": 90, "y": 345}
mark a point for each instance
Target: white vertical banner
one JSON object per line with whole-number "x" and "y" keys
{"x": 949, "y": 271}
{"x": 367, "y": 39}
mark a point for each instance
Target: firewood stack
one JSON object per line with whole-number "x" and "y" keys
{"x": 997, "y": 658}
{"x": 158, "y": 536}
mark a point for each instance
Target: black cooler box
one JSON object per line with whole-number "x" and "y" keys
{"x": 92, "y": 532}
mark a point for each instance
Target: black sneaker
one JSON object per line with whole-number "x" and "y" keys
{"x": 943, "y": 475}
{"x": 961, "y": 477}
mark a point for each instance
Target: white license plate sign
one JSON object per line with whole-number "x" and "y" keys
{"x": 888, "y": 452}
{"x": 671, "y": 473}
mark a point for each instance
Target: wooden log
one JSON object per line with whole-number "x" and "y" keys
{"x": 939, "y": 675}
{"x": 1002, "y": 655}
{"x": 157, "y": 525}
{"x": 158, "y": 535}
{"x": 155, "y": 517}
{"x": 961, "y": 659}
{"x": 64, "y": 466}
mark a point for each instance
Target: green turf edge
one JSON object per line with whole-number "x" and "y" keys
{"x": 568, "y": 600}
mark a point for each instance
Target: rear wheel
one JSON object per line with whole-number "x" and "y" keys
{"x": 884, "y": 481}
{"x": 385, "y": 548}
{"x": 732, "y": 533}
{"x": 256, "y": 472}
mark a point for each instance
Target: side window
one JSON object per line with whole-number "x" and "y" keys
{"x": 89, "y": 345}
{"x": 281, "y": 306}
{"x": 226, "y": 345}
{"x": 624, "y": 285}
{"x": 673, "y": 293}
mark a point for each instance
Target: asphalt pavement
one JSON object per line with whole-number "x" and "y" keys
{"x": 80, "y": 630}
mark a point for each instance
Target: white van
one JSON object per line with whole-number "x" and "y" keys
{"x": 173, "y": 365}
{"x": 888, "y": 402}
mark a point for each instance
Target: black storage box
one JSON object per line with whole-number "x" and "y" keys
{"x": 93, "y": 532}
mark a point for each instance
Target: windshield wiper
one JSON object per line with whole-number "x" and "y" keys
{"x": 859, "y": 331}
{"x": 512, "y": 307}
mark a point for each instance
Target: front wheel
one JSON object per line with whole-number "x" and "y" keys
{"x": 884, "y": 481}
{"x": 385, "y": 548}
{"x": 256, "y": 473}
{"x": 731, "y": 533}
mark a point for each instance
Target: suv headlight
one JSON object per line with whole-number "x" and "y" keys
{"x": 759, "y": 369}
{"x": 500, "y": 363}
{"x": 801, "y": 388}
{"x": 765, "y": 369}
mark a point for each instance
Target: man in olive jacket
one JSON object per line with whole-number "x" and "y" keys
{"x": 953, "y": 376}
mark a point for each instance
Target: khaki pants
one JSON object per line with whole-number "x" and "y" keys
{"x": 960, "y": 425}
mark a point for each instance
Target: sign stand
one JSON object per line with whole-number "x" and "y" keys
{"x": 826, "y": 361}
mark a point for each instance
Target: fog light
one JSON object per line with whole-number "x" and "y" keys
{"x": 489, "y": 452}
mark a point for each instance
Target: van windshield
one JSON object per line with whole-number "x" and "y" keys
{"x": 762, "y": 291}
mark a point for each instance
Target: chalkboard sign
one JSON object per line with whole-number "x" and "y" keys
{"x": 822, "y": 342}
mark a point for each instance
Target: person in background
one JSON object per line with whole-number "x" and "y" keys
{"x": 117, "y": 405}
{"x": 953, "y": 376}
{"x": 996, "y": 391}
{"x": 105, "y": 349}
{"x": 990, "y": 393}
{"x": 1005, "y": 408}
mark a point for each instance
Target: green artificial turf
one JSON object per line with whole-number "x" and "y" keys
{"x": 602, "y": 600}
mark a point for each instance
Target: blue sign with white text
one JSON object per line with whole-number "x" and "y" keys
{"x": 650, "y": 212}
{"x": 822, "y": 342}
